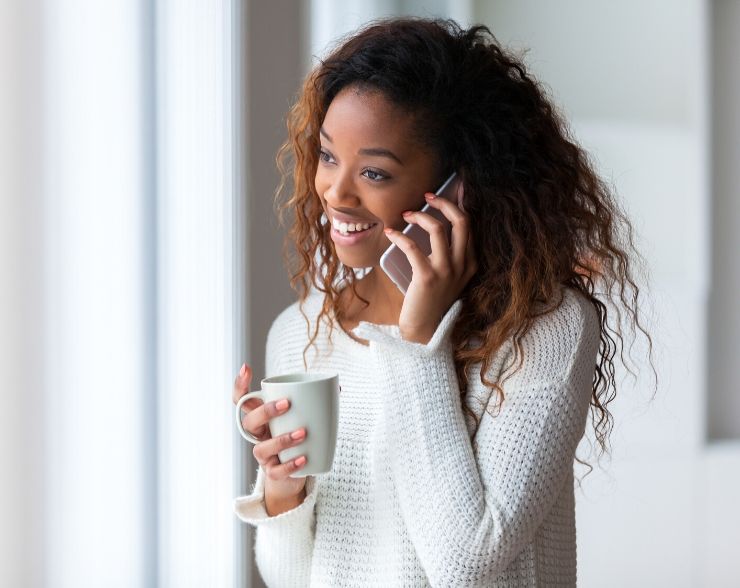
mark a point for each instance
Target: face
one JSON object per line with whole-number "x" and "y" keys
{"x": 369, "y": 172}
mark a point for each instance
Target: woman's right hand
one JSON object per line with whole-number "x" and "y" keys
{"x": 281, "y": 491}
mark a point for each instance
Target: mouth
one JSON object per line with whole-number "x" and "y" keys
{"x": 351, "y": 233}
{"x": 346, "y": 228}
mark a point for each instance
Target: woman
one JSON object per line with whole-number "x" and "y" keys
{"x": 463, "y": 402}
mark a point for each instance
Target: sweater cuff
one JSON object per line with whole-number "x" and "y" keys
{"x": 252, "y": 510}
{"x": 392, "y": 337}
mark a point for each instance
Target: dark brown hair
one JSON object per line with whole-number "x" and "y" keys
{"x": 541, "y": 218}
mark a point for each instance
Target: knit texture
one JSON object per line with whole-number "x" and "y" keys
{"x": 410, "y": 499}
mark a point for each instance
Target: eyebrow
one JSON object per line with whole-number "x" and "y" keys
{"x": 376, "y": 151}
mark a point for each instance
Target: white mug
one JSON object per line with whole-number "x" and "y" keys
{"x": 314, "y": 405}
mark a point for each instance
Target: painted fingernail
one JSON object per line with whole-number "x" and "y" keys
{"x": 282, "y": 404}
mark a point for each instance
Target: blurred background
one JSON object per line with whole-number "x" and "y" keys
{"x": 140, "y": 263}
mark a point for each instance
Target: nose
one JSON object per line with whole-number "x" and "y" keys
{"x": 341, "y": 191}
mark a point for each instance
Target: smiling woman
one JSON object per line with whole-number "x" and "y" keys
{"x": 464, "y": 399}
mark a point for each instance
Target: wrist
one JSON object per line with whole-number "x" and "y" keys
{"x": 275, "y": 506}
{"x": 416, "y": 336}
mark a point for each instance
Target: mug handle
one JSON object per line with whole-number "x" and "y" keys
{"x": 246, "y": 434}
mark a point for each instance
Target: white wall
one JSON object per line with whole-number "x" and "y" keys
{"x": 331, "y": 19}
{"x": 632, "y": 77}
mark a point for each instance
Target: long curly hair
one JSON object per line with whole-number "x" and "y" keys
{"x": 541, "y": 218}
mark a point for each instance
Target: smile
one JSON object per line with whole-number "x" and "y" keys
{"x": 350, "y": 233}
{"x": 347, "y": 228}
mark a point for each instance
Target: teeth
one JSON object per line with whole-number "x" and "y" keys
{"x": 347, "y": 228}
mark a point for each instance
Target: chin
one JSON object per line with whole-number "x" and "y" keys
{"x": 358, "y": 257}
{"x": 359, "y": 262}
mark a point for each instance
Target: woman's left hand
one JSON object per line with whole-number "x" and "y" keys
{"x": 438, "y": 279}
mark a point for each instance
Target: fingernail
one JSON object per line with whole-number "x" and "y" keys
{"x": 243, "y": 370}
{"x": 301, "y": 460}
{"x": 429, "y": 196}
{"x": 282, "y": 404}
{"x": 297, "y": 434}
{"x": 387, "y": 230}
{"x": 406, "y": 212}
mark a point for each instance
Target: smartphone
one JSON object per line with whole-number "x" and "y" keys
{"x": 394, "y": 261}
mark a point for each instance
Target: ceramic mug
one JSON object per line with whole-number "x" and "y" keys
{"x": 314, "y": 404}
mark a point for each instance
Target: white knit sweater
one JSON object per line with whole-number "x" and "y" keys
{"x": 409, "y": 501}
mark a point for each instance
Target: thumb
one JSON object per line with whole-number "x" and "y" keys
{"x": 245, "y": 377}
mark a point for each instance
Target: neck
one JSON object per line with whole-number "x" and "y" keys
{"x": 383, "y": 295}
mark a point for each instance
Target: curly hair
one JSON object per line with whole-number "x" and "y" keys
{"x": 541, "y": 218}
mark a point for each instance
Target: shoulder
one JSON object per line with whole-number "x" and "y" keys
{"x": 562, "y": 344}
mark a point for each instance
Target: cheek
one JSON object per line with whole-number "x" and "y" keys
{"x": 322, "y": 185}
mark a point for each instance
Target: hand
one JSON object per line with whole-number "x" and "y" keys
{"x": 438, "y": 279}
{"x": 280, "y": 488}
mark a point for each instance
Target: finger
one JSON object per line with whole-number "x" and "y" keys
{"x": 282, "y": 471}
{"x": 241, "y": 383}
{"x": 260, "y": 416}
{"x": 262, "y": 433}
{"x": 460, "y": 228}
{"x": 440, "y": 255}
{"x": 420, "y": 264}
{"x": 251, "y": 404}
{"x": 274, "y": 460}
{"x": 241, "y": 387}
{"x": 266, "y": 449}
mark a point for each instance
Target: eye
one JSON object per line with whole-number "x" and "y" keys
{"x": 324, "y": 156}
{"x": 375, "y": 176}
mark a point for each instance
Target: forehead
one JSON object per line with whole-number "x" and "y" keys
{"x": 367, "y": 119}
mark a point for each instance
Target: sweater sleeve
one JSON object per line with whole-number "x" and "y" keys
{"x": 284, "y": 543}
{"x": 469, "y": 514}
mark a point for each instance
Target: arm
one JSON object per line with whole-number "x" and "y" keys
{"x": 470, "y": 515}
{"x": 283, "y": 542}
{"x": 275, "y": 507}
